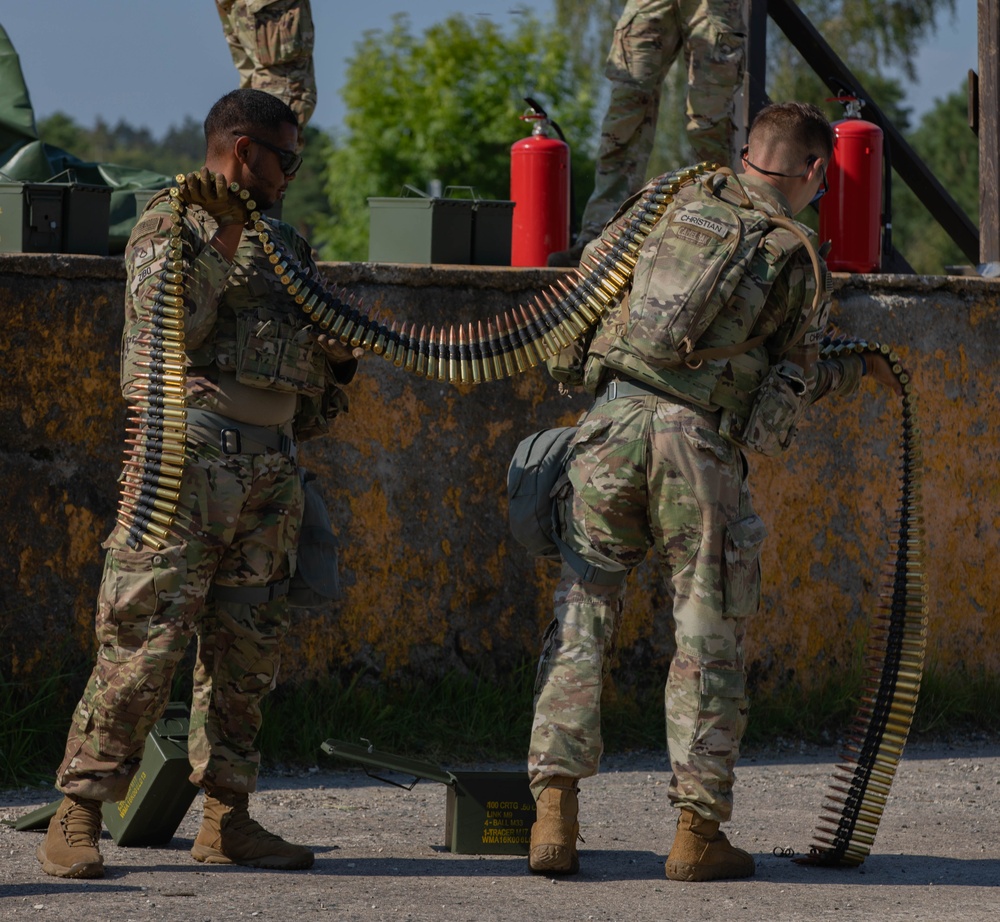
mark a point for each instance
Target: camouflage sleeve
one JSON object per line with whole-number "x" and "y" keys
{"x": 205, "y": 276}
{"x": 823, "y": 376}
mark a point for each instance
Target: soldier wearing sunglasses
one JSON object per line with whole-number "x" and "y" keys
{"x": 255, "y": 386}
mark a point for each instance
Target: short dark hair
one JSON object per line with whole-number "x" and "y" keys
{"x": 246, "y": 111}
{"x": 799, "y": 123}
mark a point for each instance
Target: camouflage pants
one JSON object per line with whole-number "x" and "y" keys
{"x": 238, "y": 526}
{"x": 271, "y": 42}
{"x": 649, "y": 36}
{"x": 649, "y": 472}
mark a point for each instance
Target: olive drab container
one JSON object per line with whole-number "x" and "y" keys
{"x": 446, "y": 229}
{"x": 54, "y": 217}
{"x": 159, "y": 795}
{"x": 486, "y": 813}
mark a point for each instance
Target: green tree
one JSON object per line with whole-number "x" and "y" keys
{"x": 304, "y": 206}
{"x": 947, "y": 145}
{"x": 445, "y": 106}
{"x": 61, "y": 131}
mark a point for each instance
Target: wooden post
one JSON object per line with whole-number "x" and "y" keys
{"x": 989, "y": 134}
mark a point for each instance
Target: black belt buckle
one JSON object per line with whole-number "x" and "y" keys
{"x": 230, "y": 441}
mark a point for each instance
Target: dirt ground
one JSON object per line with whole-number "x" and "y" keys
{"x": 380, "y": 852}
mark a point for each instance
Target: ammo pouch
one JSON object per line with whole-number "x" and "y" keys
{"x": 537, "y": 465}
{"x": 274, "y": 354}
{"x": 316, "y": 580}
{"x": 780, "y": 401}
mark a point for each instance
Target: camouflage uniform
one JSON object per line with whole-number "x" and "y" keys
{"x": 652, "y": 470}
{"x": 271, "y": 42}
{"x": 237, "y": 525}
{"x": 648, "y": 37}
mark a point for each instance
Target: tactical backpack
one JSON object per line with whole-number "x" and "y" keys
{"x": 689, "y": 267}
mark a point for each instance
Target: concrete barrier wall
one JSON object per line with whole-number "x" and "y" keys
{"x": 415, "y": 483}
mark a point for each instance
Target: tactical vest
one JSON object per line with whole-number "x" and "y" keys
{"x": 256, "y": 336}
{"x": 702, "y": 279}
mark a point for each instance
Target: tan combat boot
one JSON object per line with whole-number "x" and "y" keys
{"x": 553, "y": 835}
{"x": 70, "y": 845}
{"x": 229, "y": 836}
{"x": 701, "y": 852}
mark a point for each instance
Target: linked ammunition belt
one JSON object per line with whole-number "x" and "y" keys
{"x": 893, "y": 660}
{"x": 154, "y": 445}
{"x": 459, "y": 353}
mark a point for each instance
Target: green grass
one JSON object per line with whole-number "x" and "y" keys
{"x": 464, "y": 718}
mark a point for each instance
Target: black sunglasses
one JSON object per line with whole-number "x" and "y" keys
{"x": 288, "y": 160}
{"x": 810, "y": 160}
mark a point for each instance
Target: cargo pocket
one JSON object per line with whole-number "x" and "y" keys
{"x": 136, "y": 586}
{"x": 741, "y": 580}
{"x": 722, "y": 717}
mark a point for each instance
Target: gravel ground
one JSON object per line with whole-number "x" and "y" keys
{"x": 380, "y": 852}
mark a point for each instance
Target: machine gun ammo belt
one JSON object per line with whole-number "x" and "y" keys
{"x": 893, "y": 659}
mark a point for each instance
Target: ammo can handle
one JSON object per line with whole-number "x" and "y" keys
{"x": 371, "y": 757}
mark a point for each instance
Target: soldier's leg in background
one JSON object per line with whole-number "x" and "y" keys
{"x": 231, "y": 13}
{"x": 715, "y": 53}
{"x": 283, "y": 40}
{"x": 646, "y": 42}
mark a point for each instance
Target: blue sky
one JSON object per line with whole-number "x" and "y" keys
{"x": 153, "y": 63}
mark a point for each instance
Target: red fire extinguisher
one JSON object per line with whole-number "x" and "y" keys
{"x": 540, "y": 191}
{"x": 850, "y": 214}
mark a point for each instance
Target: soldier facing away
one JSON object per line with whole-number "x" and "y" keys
{"x": 254, "y": 385}
{"x": 658, "y": 463}
{"x": 649, "y": 36}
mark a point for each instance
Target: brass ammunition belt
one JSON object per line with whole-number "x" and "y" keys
{"x": 893, "y": 659}
{"x": 237, "y": 438}
{"x": 509, "y": 344}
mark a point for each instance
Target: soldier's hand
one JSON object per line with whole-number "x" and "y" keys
{"x": 880, "y": 369}
{"x": 211, "y": 192}
{"x": 336, "y": 350}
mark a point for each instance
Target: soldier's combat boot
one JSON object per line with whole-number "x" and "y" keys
{"x": 701, "y": 852}
{"x": 70, "y": 845}
{"x": 554, "y": 833}
{"x": 229, "y": 836}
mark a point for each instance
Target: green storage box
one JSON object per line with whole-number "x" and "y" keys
{"x": 159, "y": 795}
{"x": 86, "y": 219}
{"x": 420, "y": 229}
{"x": 492, "y": 224}
{"x": 487, "y": 813}
{"x": 49, "y": 217}
{"x": 31, "y": 217}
